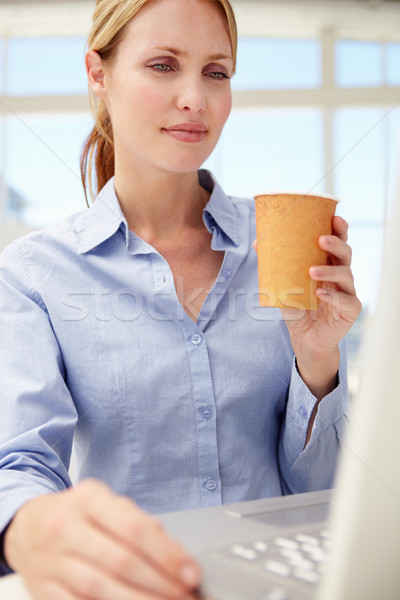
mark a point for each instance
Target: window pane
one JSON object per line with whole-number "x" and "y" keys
{"x": 1, "y": 66}
{"x": 3, "y": 191}
{"x": 39, "y": 66}
{"x": 367, "y": 246}
{"x": 359, "y": 173}
{"x": 393, "y": 128}
{"x": 1, "y": 146}
{"x": 393, "y": 56}
{"x": 43, "y": 165}
{"x": 277, "y": 63}
{"x": 358, "y": 64}
{"x": 354, "y": 344}
{"x": 11, "y": 201}
{"x": 264, "y": 150}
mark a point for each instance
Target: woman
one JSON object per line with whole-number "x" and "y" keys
{"x": 144, "y": 335}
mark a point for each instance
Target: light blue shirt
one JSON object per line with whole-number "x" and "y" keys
{"x": 97, "y": 350}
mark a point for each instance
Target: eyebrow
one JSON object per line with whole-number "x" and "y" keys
{"x": 178, "y": 52}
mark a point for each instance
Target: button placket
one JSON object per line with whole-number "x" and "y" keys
{"x": 196, "y": 339}
{"x": 206, "y": 412}
{"x": 211, "y": 485}
{"x": 302, "y": 411}
{"x": 203, "y": 398}
{"x": 226, "y": 274}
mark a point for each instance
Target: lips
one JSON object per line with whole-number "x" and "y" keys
{"x": 190, "y": 127}
{"x": 187, "y": 132}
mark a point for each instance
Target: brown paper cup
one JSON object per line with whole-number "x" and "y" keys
{"x": 288, "y": 228}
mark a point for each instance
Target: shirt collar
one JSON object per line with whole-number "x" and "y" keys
{"x": 105, "y": 217}
{"x": 220, "y": 210}
{"x": 102, "y": 220}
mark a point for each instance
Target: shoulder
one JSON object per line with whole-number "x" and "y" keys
{"x": 35, "y": 255}
{"x": 67, "y": 230}
{"x": 42, "y": 248}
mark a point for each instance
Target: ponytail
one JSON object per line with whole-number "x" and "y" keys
{"x": 98, "y": 154}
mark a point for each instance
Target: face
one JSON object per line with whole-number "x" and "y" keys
{"x": 168, "y": 87}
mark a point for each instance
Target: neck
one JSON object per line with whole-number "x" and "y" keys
{"x": 162, "y": 206}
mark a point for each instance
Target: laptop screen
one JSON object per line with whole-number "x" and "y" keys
{"x": 366, "y": 503}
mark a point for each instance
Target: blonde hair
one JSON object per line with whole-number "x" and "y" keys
{"x": 110, "y": 19}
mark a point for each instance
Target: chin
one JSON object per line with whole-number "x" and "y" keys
{"x": 184, "y": 166}
{"x": 188, "y": 162}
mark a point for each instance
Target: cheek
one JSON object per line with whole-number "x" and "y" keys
{"x": 149, "y": 100}
{"x": 225, "y": 108}
{"x": 137, "y": 105}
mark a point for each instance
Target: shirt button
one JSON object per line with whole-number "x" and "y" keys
{"x": 206, "y": 412}
{"x": 227, "y": 274}
{"x": 211, "y": 485}
{"x": 302, "y": 411}
{"x": 196, "y": 339}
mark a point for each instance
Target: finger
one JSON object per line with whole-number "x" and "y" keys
{"x": 122, "y": 563}
{"x": 336, "y": 248}
{"x": 88, "y": 582}
{"x": 125, "y": 521}
{"x": 340, "y": 228}
{"x": 51, "y": 589}
{"x": 142, "y": 532}
{"x": 255, "y": 245}
{"x": 341, "y": 275}
{"x": 343, "y": 304}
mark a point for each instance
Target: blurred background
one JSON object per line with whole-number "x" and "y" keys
{"x": 316, "y": 108}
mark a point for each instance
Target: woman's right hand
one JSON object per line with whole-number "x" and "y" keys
{"x": 87, "y": 543}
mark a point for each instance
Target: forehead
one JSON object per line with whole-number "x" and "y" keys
{"x": 180, "y": 22}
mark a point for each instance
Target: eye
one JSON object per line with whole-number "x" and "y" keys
{"x": 217, "y": 72}
{"x": 160, "y": 67}
{"x": 217, "y": 75}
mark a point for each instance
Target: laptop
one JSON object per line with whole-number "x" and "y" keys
{"x": 329, "y": 545}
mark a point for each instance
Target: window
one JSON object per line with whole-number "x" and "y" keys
{"x": 358, "y": 64}
{"x": 2, "y": 74}
{"x": 44, "y": 66}
{"x": 367, "y": 64}
{"x": 277, "y": 63}
{"x": 393, "y": 64}
{"x": 392, "y": 130}
{"x": 276, "y": 149}
{"x": 360, "y": 163}
{"x": 43, "y": 166}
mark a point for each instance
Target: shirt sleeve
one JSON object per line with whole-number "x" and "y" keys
{"x": 312, "y": 468}
{"x": 38, "y": 414}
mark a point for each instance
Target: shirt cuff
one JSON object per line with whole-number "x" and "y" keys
{"x": 300, "y": 405}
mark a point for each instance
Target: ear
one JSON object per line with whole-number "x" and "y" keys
{"x": 95, "y": 73}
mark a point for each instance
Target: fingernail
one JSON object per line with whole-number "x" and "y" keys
{"x": 327, "y": 240}
{"x": 316, "y": 272}
{"x": 189, "y": 575}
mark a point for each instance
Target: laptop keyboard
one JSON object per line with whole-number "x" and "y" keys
{"x": 301, "y": 557}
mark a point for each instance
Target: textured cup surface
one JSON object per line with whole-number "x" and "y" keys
{"x": 288, "y": 228}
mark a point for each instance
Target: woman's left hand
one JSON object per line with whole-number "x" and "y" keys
{"x": 315, "y": 335}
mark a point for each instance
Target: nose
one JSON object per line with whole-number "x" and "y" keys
{"x": 191, "y": 95}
